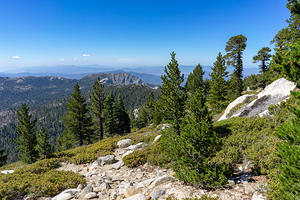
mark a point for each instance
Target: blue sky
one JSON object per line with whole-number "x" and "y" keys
{"x": 132, "y": 33}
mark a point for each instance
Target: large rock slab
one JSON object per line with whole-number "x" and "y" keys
{"x": 104, "y": 160}
{"x": 161, "y": 180}
{"x": 273, "y": 94}
{"x": 124, "y": 143}
{"x": 66, "y": 195}
{"x": 136, "y": 146}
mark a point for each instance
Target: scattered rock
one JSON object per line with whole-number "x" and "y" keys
{"x": 104, "y": 186}
{"x": 157, "y": 193}
{"x": 127, "y": 153}
{"x": 137, "y": 146}
{"x": 66, "y": 195}
{"x": 118, "y": 165}
{"x": 80, "y": 187}
{"x": 87, "y": 189}
{"x": 124, "y": 143}
{"x": 123, "y": 187}
{"x": 94, "y": 165}
{"x": 91, "y": 195}
{"x": 7, "y": 171}
{"x": 164, "y": 126}
{"x": 258, "y": 196}
{"x": 104, "y": 160}
{"x": 156, "y": 139}
{"x": 161, "y": 180}
{"x": 136, "y": 197}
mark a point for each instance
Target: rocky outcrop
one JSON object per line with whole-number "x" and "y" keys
{"x": 108, "y": 179}
{"x": 273, "y": 94}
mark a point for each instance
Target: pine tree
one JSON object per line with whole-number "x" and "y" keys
{"x": 195, "y": 145}
{"x": 284, "y": 182}
{"x": 26, "y": 135}
{"x": 287, "y": 63}
{"x": 234, "y": 48}
{"x": 97, "y": 104}
{"x": 195, "y": 80}
{"x": 76, "y": 119}
{"x": 108, "y": 114}
{"x": 173, "y": 96}
{"x": 290, "y": 34}
{"x": 43, "y": 146}
{"x": 66, "y": 141}
{"x": 218, "y": 85}
{"x": 146, "y": 112}
{"x": 264, "y": 57}
{"x": 122, "y": 120}
{"x": 3, "y": 157}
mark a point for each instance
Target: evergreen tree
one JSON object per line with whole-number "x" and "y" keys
{"x": 66, "y": 141}
{"x": 3, "y": 157}
{"x": 234, "y": 48}
{"x": 26, "y": 135}
{"x": 195, "y": 79}
{"x": 122, "y": 120}
{"x": 264, "y": 57}
{"x": 43, "y": 146}
{"x": 108, "y": 113}
{"x": 97, "y": 104}
{"x": 196, "y": 144}
{"x": 284, "y": 182}
{"x": 218, "y": 85}
{"x": 146, "y": 112}
{"x": 290, "y": 34}
{"x": 76, "y": 119}
{"x": 173, "y": 96}
{"x": 287, "y": 63}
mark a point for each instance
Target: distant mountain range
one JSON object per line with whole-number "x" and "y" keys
{"x": 150, "y": 75}
{"x": 40, "y": 90}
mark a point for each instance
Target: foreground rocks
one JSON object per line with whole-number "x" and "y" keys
{"x": 273, "y": 94}
{"x": 108, "y": 179}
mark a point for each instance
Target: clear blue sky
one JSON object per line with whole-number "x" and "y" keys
{"x": 132, "y": 33}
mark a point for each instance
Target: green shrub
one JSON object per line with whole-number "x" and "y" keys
{"x": 137, "y": 158}
{"x": 37, "y": 179}
{"x": 284, "y": 180}
{"x": 247, "y": 138}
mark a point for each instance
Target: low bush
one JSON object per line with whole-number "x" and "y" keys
{"x": 137, "y": 158}
{"x": 247, "y": 138}
{"x": 36, "y": 180}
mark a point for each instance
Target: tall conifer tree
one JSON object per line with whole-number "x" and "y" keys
{"x": 195, "y": 145}
{"x": 3, "y": 157}
{"x": 26, "y": 135}
{"x": 97, "y": 104}
{"x": 217, "y": 96}
{"x": 43, "y": 146}
{"x": 195, "y": 80}
{"x": 122, "y": 120}
{"x": 173, "y": 95}
{"x": 234, "y": 48}
{"x": 77, "y": 120}
{"x": 108, "y": 113}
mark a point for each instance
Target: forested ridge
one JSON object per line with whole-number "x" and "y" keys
{"x": 178, "y": 129}
{"x": 49, "y": 115}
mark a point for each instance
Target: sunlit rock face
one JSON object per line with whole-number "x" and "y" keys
{"x": 273, "y": 94}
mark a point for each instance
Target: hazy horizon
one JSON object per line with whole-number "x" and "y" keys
{"x": 132, "y": 33}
